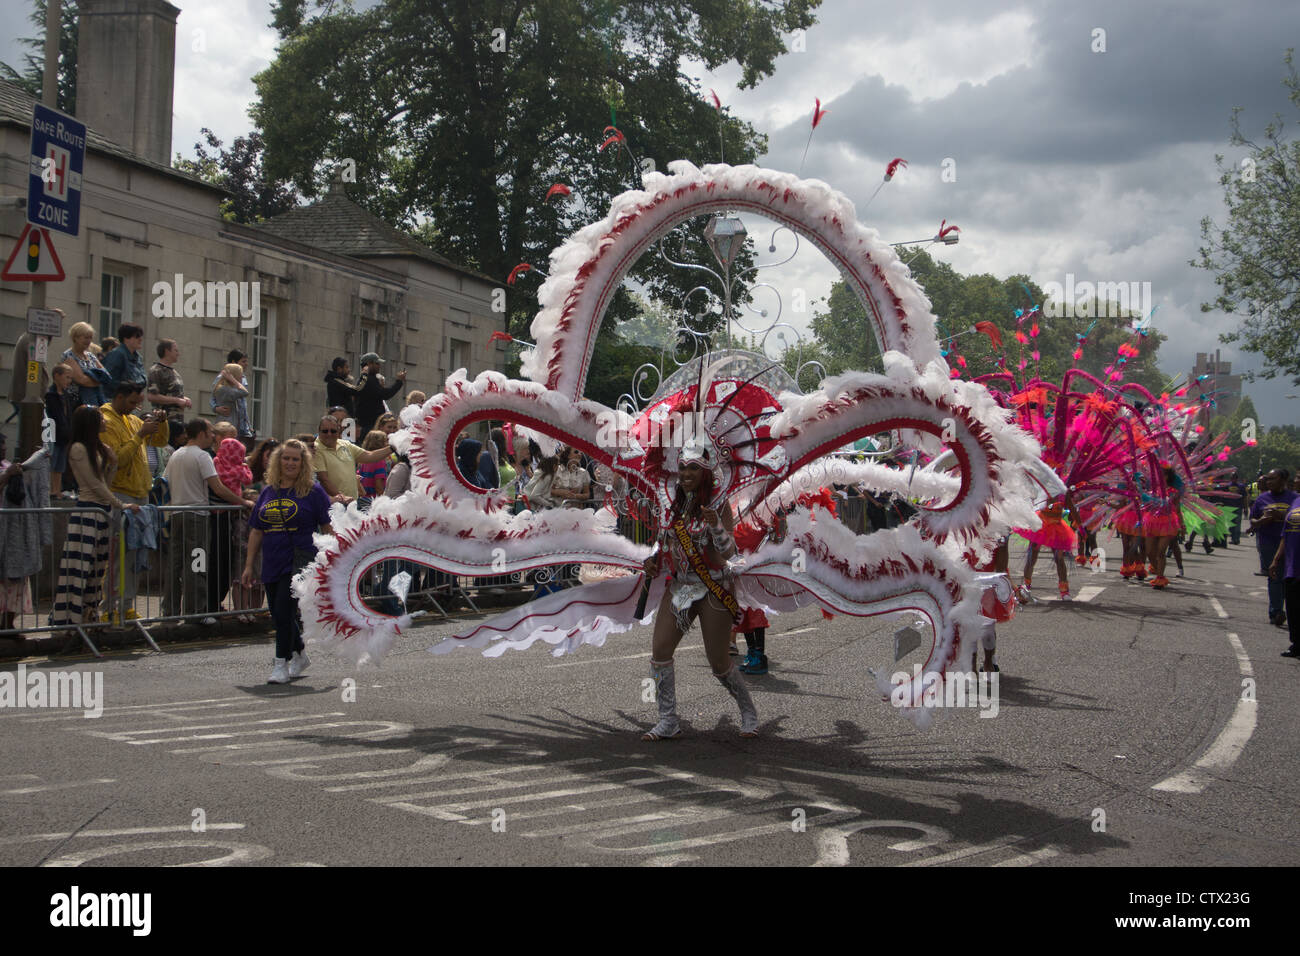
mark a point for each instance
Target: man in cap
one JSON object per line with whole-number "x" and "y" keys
{"x": 372, "y": 392}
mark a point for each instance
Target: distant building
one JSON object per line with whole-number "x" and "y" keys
{"x": 331, "y": 278}
{"x": 1219, "y": 386}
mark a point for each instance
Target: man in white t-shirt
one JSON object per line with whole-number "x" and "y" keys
{"x": 190, "y": 475}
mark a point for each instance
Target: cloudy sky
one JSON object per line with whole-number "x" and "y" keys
{"x": 1099, "y": 164}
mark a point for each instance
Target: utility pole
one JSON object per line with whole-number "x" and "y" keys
{"x": 32, "y": 411}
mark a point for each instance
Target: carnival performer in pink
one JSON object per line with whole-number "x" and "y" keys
{"x": 1162, "y": 525}
{"x": 1056, "y": 535}
{"x": 694, "y": 550}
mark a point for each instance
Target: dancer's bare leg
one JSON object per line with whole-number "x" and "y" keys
{"x": 667, "y": 634}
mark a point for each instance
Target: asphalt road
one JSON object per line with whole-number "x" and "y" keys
{"x": 1124, "y": 736}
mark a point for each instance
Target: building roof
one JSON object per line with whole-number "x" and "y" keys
{"x": 16, "y": 110}
{"x": 339, "y": 225}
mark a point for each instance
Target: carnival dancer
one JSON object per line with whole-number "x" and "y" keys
{"x": 997, "y": 603}
{"x": 1055, "y": 534}
{"x": 1163, "y": 525}
{"x": 753, "y": 622}
{"x": 697, "y": 542}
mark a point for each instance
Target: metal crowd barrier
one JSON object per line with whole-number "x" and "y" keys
{"x": 184, "y": 564}
{"x": 194, "y": 568}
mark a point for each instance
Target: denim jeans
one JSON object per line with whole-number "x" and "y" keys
{"x": 1276, "y": 586}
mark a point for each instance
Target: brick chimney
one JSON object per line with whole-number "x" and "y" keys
{"x": 126, "y": 65}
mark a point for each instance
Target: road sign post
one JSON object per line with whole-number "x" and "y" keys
{"x": 58, "y": 155}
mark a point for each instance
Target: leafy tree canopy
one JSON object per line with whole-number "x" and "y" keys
{"x": 1256, "y": 256}
{"x": 253, "y": 196}
{"x": 960, "y": 301}
{"x": 30, "y": 74}
{"x": 463, "y": 115}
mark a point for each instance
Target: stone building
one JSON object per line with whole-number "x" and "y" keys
{"x": 327, "y": 279}
{"x": 1219, "y": 386}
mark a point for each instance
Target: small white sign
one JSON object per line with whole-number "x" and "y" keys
{"x": 44, "y": 322}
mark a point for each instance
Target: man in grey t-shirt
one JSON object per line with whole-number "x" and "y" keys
{"x": 190, "y": 475}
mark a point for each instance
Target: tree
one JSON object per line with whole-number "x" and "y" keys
{"x": 464, "y": 115}
{"x": 30, "y": 77}
{"x": 1256, "y": 257}
{"x": 239, "y": 170}
{"x": 961, "y": 301}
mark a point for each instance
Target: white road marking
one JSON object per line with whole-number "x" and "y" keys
{"x": 1030, "y": 858}
{"x": 44, "y": 787}
{"x": 1087, "y": 594}
{"x": 969, "y": 851}
{"x": 1227, "y": 747}
{"x": 164, "y": 709}
{"x": 129, "y": 831}
{"x": 1218, "y": 608}
{"x": 833, "y": 844}
{"x": 238, "y": 853}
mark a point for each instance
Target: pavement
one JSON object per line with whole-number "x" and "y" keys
{"x": 1133, "y": 727}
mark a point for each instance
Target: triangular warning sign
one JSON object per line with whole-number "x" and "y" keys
{"x": 33, "y": 259}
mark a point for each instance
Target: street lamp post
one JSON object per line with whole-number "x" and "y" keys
{"x": 726, "y": 237}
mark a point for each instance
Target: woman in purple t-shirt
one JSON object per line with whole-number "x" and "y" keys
{"x": 288, "y": 512}
{"x": 1286, "y": 568}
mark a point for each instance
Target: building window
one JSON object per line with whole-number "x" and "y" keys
{"x": 114, "y": 303}
{"x": 372, "y": 338}
{"x": 458, "y": 356}
{"x": 261, "y": 373}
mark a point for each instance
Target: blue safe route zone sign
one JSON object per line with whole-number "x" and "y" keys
{"x": 54, "y": 185}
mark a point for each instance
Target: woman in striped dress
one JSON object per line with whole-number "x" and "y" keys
{"x": 86, "y": 548}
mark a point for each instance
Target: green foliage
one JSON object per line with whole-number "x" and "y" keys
{"x": 29, "y": 77}
{"x": 1256, "y": 257}
{"x": 239, "y": 171}
{"x": 463, "y": 115}
{"x": 960, "y": 302}
{"x": 1278, "y": 448}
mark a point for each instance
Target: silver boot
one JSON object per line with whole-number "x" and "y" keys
{"x": 737, "y": 688}
{"x": 665, "y": 678}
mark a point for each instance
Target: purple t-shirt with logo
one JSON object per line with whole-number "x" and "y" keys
{"x": 1268, "y": 536}
{"x": 1291, "y": 538}
{"x": 287, "y": 522}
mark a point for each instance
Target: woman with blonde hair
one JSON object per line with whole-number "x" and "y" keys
{"x": 290, "y": 509}
{"x": 89, "y": 377}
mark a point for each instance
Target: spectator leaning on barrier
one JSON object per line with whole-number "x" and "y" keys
{"x": 127, "y": 436}
{"x": 25, "y": 536}
{"x": 537, "y": 493}
{"x": 372, "y": 392}
{"x": 86, "y": 546}
{"x": 125, "y": 363}
{"x": 340, "y": 390}
{"x": 572, "y": 485}
{"x": 335, "y": 461}
{"x": 191, "y": 474}
{"x": 288, "y": 511}
{"x": 166, "y": 389}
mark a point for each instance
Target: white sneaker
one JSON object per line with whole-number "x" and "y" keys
{"x": 298, "y": 663}
{"x": 280, "y": 672}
